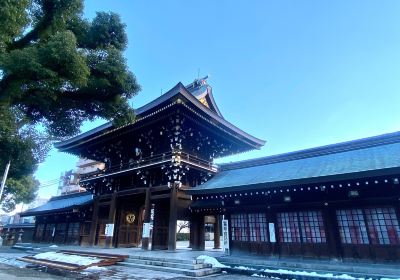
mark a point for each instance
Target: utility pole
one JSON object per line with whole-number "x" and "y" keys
{"x": 3, "y": 182}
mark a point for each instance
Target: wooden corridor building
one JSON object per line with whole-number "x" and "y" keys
{"x": 339, "y": 201}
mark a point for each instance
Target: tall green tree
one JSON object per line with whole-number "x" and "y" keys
{"x": 57, "y": 70}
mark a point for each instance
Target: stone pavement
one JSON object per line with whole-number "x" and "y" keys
{"x": 111, "y": 273}
{"x": 357, "y": 269}
{"x": 353, "y": 268}
{"x": 123, "y": 273}
{"x": 12, "y": 269}
{"x": 15, "y": 273}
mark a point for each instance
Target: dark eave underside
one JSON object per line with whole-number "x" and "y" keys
{"x": 147, "y": 109}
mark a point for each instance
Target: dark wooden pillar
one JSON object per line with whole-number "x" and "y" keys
{"x": 172, "y": 218}
{"x": 146, "y": 220}
{"x": 198, "y": 233}
{"x": 191, "y": 233}
{"x": 274, "y": 248}
{"x": 217, "y": 233}
{"x": 202, "y": 240}
{"x": 93, "y": 225}
{"x": 333, "y": 236}
{"x": 34, "y": 232}
{"x": 66, "y": 231}
{"x": 111, "y": 219}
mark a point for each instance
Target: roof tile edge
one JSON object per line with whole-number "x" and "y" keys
{"x": 357, "y": 144}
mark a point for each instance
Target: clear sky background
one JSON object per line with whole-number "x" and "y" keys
{"x": 298, "y": 74}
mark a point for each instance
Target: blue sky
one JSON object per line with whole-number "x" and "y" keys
{"x": 298, "y": 74}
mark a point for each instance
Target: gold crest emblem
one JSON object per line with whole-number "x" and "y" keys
{"x": 130, "y": 218}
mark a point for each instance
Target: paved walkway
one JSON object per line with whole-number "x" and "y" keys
{"x": 358, "y": 269}
{"x": 182, "y": 252}
{"x": 12, "y": 272}
{"x": 15, "y": 273}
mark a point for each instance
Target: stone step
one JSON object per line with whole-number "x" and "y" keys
{"x": 170, "y": 263}
{"x": 188, "y": 272}
{"x": 164, "y": 259}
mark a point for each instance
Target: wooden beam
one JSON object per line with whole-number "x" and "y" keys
{"x": 159, "y": 188}
{"x": 160, "y": 196}
{"x": 131, "y": 192}
{"x": 182, "y": 195}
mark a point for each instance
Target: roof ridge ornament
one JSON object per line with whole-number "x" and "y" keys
{"x": 202, "y": 91}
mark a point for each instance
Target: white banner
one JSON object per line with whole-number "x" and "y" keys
{"x": 225, "y": 236}
{"x": 109, "y": 230}
{"x": 271, "y": 227}
{"x": 146, "y": 230}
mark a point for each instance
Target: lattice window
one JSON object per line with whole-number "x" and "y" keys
{"x": 258, "y": 227}
{"x": 383, "y": 226}
{"x": 352, "y": 226}
{"x": 312, "y": 227}
{"x": 289, "y": 229}
{"x": 239, "y": 227}
{"x": 73, "y": 232}
{"x": 60, "y": 232}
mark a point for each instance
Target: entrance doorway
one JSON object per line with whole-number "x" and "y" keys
{"x": 182, "y": 235}
{"x": 130, "y": 227}
{"x": 212, "y": 233}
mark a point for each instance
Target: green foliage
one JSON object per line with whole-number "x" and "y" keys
{"x": 19, "y": 191}
{"x": 13, "y": 20}
{"x": 57, "y": 70}
{"x": 182, "y": 236}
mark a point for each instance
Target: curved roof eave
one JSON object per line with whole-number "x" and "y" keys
{"x": 139, "y": 111}
{"x": 220, "y": 119}
{"x": 214, "y": 104}
{"x": 177, "y": 89}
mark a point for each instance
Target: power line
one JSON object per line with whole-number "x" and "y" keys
{"x": 50, "y": 181}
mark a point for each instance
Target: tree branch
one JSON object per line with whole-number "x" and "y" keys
{"x": 5, "y": 82}
{"x": 48, "y": 8}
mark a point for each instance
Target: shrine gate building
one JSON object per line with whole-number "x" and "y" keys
{"x": 339, "y": 201}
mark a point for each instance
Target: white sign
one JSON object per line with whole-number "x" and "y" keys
{"x": 225, "y": 236}
{"x": 146, "y": 230}
{"x": 109, "y": 231}
{"x": 271, "y": 227}
{"x": 152, "y": 214}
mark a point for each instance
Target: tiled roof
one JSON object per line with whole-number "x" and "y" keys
{"x": 61, "y": 203}
{"x": 177, "y": 90}
{"x": 372, "y": 154}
